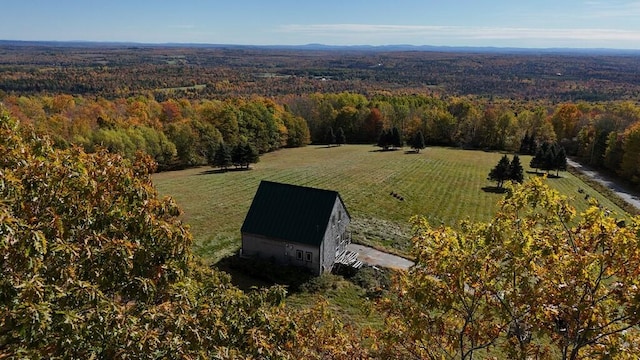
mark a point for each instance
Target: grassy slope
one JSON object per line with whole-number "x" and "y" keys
{"x": 445, "y": 185}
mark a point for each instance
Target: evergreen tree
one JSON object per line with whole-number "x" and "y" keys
{"x": 330, "y": 137}
{"x": 251, "y": 155}
{"x": 211, "y": 153}
{"x": 500, "y": 172}
{"x": 417, "y": 142}
{"x": 389, "y": 138}
{"x": 560, "y": 160}
{"x": 222, "y": 157}
{"x": 383, "y": 140}
{"x": 536, "y": 160}
{"x": 237, "y": 155}
{"x": 516, "y": 172}
{"x": 340, "y": 138}
{"x": 528, "y": 144}
{"x": 549, "y": 156}
{"x": 524, "y": 144}
{"x": 244, "y": 154}
{"x": 396, "y": 139}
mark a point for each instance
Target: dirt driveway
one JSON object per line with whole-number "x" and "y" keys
{"x": 371, "y": 256}
{"x": 619, "y": 190}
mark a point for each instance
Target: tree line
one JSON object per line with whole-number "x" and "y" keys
{"x": 603, "y": 135}
{"x": 177, "y": 133}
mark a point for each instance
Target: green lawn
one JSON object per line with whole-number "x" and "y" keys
{"x": 443, "y": 184}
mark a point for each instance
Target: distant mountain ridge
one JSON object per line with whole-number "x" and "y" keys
{"x": 323, "y": 47}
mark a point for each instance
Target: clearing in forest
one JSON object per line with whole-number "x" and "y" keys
{"x": 381, "y": 189}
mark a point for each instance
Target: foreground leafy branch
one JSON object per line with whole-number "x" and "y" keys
{"x": 95, "y": 265}
{"x": 534, "y": 281}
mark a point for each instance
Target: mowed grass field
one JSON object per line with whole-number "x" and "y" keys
{"x": 442, "y": 184}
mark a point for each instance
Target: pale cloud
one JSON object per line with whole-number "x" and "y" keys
{"x": 363, "y": 33}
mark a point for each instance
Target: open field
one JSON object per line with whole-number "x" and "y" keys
{"x": 442, "y": 184}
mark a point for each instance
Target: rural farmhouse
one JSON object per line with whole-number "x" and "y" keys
{"x": 296, "y": 225}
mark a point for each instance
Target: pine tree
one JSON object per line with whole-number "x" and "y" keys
{"x": 222, "y": 157}
{"x": 237, "y": 155}
{"x": 244, "y": 154}
{"x": 383, "y": 140}
{"x": 536, "y": 160}
{"x": 516, "y": 172}
{"x": 560, "y": 160}
{"x": 340, "y": 138}
{"x": 524, "y": 144}
{"x": 396, "y": 140}
{"x": 212, "y": 149}
{"x": 549, "y": 156}
{"x": 389, "y": 138}
{"x": 417, "y": 142}
{"x": 528, "y": 144}
{"x": 251, "y": 155}
{"x": 330, "y": 137}
{"x": 500, "y": 172}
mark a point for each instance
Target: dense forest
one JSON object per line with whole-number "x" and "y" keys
{"x": 176, "y": 133}
{"x": 122, "y": 71}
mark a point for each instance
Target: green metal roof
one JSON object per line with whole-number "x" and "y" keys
{"x": 290, "y": 213}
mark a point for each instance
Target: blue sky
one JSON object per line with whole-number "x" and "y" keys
{"x": 514, "y": 23}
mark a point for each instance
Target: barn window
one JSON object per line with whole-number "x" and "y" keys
{"x": 308, "y": 254}
{"x": 299, "y": 255}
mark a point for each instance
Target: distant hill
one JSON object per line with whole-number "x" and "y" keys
{"x": 323, "y": 47}
{"x": 116, "y": 69}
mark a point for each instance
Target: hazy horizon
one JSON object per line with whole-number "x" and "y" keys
{"x": 542, "y": 24}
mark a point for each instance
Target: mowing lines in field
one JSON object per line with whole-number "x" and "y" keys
{"x": 445, "y": 185}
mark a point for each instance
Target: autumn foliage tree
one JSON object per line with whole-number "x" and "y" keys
{"x": 630, "y": 162}
{"x": 565, "y": 121}
{"x": 534, "y": 282}
{"x": 95, "y": 265}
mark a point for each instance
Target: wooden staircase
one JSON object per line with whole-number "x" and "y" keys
{"x": 349, "y": 258}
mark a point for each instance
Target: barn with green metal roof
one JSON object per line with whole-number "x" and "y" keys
{"x": 296, "y": 225}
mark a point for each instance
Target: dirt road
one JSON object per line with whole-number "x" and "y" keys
{"x": 619, "y": 190}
